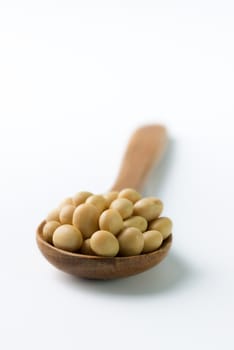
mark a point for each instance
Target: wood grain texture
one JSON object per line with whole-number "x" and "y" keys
{"x": 146, "y": 147}
{"x": 95, "y": 267}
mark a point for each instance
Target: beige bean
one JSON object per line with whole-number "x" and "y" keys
{"x": 85, "y": 248}
{"x": 137, "y": 222}
{"x": 154, "y": 199}
{"x": 163, "y": 225}
{"x": 148, "y": 208}
{"x": 131, "y": 242}
{"x": 110, "y": 197}
{"x": 111, "y": 220}
{"x": 130, "y": 194}
{"x": 98, "y": 201}
{"x": 67, "y": 237}
{"x": 123, "y": 206}
{"x": 48, "y": 230}
{"x": 80, "y": 197}
{"x": 152, "y": 241}
{"x": 104, "y": 243}
{"x": 85, "y": 218}
{"x": 66, "y": 201}
{"x": 53, "y": 215}
{"x": 66, "y": 214}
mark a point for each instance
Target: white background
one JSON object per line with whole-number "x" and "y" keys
{"x": 76, "y": 78}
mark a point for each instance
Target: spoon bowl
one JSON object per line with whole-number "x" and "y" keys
{"x": 96, "y": 267}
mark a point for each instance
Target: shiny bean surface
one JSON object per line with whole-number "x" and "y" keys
{"x": 148, "y": 208}
{"x": 104, "y": 243}
{"x": 111, "y": 220}
{"x": 152, "y": 241}
{"x": 67, "y": 237}
{"x": 163, "y": 225}
{"x": 123, "y": 206}
{"x": 85, "y": 218}
{"x": 131, "y": 242}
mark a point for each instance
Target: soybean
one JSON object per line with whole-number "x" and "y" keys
{"x": 123, "y": 206}
{"x": 80, "y": 197}
{"x": 48, "y": 230}
{"x": 85, "y": 218}
{"x": 130, "y": 194}
{"x": 66, "y": 201}
{"x": 163, "y": 225}
{"x": 53, "y": 215}
{"x": 98, "y": 201}
{"x": 152, "y": 241}
{"x": 111, "y": 220}
{"x": 67, "y": 237}
{"x": 137, "y": 222}
{"x": 66, "y": 214}
{"x": 110, "y": 197}
{"x": 131, "y": 242}
{"x": 149, "y": 208}
{"x": 85, "y": 248}
{"x": 104, "y": 243}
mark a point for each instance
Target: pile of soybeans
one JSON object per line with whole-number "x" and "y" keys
{"x": 114, "y": 224}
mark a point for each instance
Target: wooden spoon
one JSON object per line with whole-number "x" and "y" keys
{"x": 146, "y": 147}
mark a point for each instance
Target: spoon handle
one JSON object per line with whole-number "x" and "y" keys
{"x": 145, "y": 148}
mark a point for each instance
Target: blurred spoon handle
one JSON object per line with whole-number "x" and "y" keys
{"x": 145, "y": 149}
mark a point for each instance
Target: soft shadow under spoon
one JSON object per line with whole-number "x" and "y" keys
{"x": 145, "y": 148}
